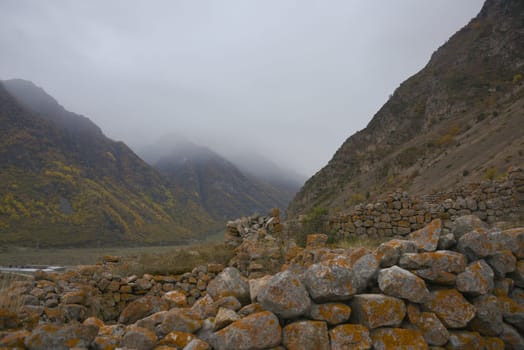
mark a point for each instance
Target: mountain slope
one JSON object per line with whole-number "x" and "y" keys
{"x": 223, "y": 190}
{"x": 458, "y": 119}
{"x": 62, "y": 182}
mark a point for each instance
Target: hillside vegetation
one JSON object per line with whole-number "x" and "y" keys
{"x": 62, "y": 182}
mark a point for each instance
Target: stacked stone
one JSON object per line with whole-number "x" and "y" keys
{"x": 432, "y": 290}
{"x": 94, "y": 291}
{"x": 400, "y": 214}
{"x": 258, "y": 244}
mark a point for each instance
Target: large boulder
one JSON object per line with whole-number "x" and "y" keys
{"x": 285, "y": 296}
{"x": 450, "y": 307}
{"x": 254, "y": 332}
{"x": 304, "y": 335}
{"x": 331, "y": 280}
{"x": 477, "y": 279}
{"x": 478, "y": 245}
{"x": 377, "y": 310}
{"x": 397, "y": 282}
{"x": 427, "y": 238}
{"x": 350, "y": 336}
{"x": 397, "y": 339}
{"x": 229, "y": 282}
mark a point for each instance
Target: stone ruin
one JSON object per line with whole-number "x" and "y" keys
{"x": 432, "y": 289}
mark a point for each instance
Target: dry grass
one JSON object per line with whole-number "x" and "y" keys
{"x": 175, "y": 261}
{"x": 10, "y": 302}
{"x": 360, "y": 242}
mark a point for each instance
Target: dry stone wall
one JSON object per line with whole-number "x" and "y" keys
{"x": 400, "y": 213}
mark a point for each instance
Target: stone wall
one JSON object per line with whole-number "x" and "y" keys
{"x": 94, "y": 290}
{"x": 428, "y": 291}
{"x": 401, "y": 213}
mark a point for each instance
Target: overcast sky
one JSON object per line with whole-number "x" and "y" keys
{"x": 291, "y": 79}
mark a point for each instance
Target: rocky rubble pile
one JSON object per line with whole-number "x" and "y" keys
{"x": 462, "y": 290}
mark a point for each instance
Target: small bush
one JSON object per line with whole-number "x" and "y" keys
{"x": 491, "y": 173}
{"x": 465, "y": 172}
{"x": 517, "y": 78}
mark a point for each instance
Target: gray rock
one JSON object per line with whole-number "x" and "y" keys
{"x": 182, "y": 320}
{"x": 397, "y": 282}
{"x": 305, "y": 335}
{"x": 254, "y": 332}
{"x": 350, "y": 336}
{"x": 429, "y": 325}
{"x": 389, "y": 252}
{"x": 58, "y": 337}
{"x": 446, "y": 241}
{"x": 477, "y": 279}
{"x": 377, "y": 310}
{"x": 502, "y": 262}
{"x": 332, "y": 313}
{"x": 141, "y": 308}
{"x": 256, "y": 284}
{"x": 427, "y": 238}
{"x": 465, "y": 340}
{"x": 488, "y": 319}
{"x": 229, "y": 282}
{"x": 139, "y": 338}
{"x": 285, "y": 296}
{"x": 478, "y": 245}
{"x": 224, "y": 318}
{"x": 442, "y": 260}
{"x": 365, "y": 270}
{"x": 468, "y": 223}
{"x": 332, "y": 280}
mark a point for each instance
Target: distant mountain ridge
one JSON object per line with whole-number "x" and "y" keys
{"x": 62, "y": 182}
{"x": 223, "y": 189}
{"x": 459, "y": 119}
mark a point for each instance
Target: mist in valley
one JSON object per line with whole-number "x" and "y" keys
{"x": 266, "y": 84}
